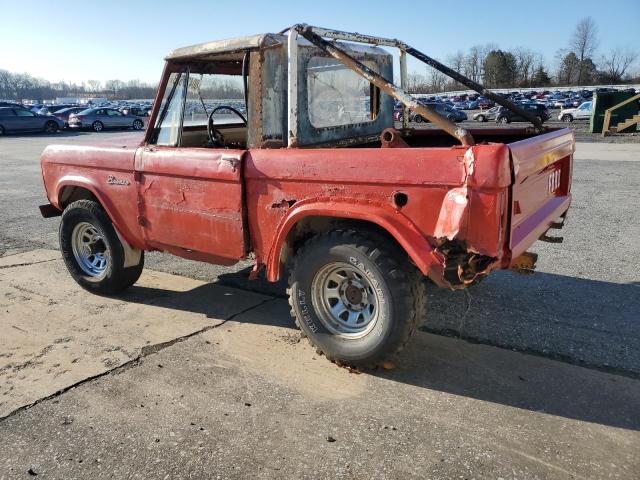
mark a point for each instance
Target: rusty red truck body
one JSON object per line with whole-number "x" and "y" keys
{"x": 354, "y": 209}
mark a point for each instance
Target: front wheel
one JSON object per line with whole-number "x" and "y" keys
{"x": 138, "y": 125}
{"x": 418, "y": 119}
{"x": 503, "y": 120}
{"x": 481, "y": 118}
{"x": 92, "y": 251}
{"x": 97, "y": 126}
{"x": 567, "y": 118}
{"x": 50, "y": 127}
{"x": 355, "y": 297}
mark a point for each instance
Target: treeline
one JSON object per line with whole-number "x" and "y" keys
{"x": 19, "y": 86}
{"x": 579, "y": 63}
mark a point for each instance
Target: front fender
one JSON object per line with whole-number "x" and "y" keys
{"x": 116, "y": 217}
{"x": 421, "y": 252}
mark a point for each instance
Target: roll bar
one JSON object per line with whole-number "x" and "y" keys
{"x": 317, "y": 35}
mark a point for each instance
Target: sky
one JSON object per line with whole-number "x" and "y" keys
{"x": 78, "y": 41}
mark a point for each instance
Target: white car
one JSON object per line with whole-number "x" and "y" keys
{"x": 583, "y": 112}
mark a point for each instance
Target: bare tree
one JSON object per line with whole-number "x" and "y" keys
{"x": 616, "y": 63}
{"x": 584, "y": 42}
{"x": 94, "y": 85}
{"x": 437, "y": 81}
{"x": 456, "y": 62}
{"x": 525, "y": 62}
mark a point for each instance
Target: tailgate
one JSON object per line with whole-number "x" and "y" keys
{"x": 541, "y": 191}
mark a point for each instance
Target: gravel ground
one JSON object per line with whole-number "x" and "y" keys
{"x": 582, "y": 305}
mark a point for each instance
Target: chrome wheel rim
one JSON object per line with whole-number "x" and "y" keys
{"x": 90, "y": 250}
{"x": 97, "y": 127}
{"x": 345, "y": 300}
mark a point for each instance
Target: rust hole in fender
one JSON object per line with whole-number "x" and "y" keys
{"x": 400, "y": 199}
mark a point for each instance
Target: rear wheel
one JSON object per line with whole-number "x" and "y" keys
{"x": 138, "y": 125}
{"x": 92, "y": 251}
{"x": 97, "y": 126}
{"x": 50, "y": 127}
{"x": 503, "y": 120}
{"x": 355, "y": 297}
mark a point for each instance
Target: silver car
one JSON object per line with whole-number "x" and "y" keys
{"x": 100, "y": 118}
{"x": 23, "y": 120}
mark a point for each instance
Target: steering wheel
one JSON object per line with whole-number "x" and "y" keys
{"x": 216, "y": 139}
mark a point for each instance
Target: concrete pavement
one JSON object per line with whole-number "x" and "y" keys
{"x": 247, "y": 398}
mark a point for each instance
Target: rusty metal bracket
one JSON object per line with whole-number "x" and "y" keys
{"x": 546, "y": 238}
{"x": 406, "y": 49}
{"x": 525, "y": 263}
{"x": 383, "y": 84}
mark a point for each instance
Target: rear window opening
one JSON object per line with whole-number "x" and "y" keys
{"x": 338, "y": 96}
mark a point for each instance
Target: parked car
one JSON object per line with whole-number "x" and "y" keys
{"x": 66, "y": 112}
{"x": 98, "y": 119}
{"x": 581, "y": 113}
{"x": 486, "y": 103}
{"x": 13, "y": 105}
{"x": 505, "y": 115}
{"x": 445, "y": 110}
{"x": 52, "y": 109}
{"x": 18, "y": 119}
{"x": 486, "y": 115}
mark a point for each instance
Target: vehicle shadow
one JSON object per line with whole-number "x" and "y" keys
{"x": 485, "y": 373}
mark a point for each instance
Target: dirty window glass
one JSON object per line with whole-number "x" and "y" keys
{"x": 337, "y": 95}
{"x": 168, "y": 126}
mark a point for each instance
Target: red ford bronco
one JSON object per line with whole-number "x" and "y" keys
{"x": 313, "y": 179}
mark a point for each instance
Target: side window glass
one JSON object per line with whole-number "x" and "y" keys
{"x": 167, "y": 129}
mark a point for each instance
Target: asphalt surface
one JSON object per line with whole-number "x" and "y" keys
{"x": 178, "y": 378}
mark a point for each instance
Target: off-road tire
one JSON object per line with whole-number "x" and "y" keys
{"x": 399, "y": 282}
{"x": 117, "y": 277}
{"x": 97, "y": 126}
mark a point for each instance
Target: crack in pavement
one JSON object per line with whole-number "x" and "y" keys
{"x": 2, "y": 267}
{"x": 144, "y": 352}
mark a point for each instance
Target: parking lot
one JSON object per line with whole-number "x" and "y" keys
{"x": 197, "y": 372}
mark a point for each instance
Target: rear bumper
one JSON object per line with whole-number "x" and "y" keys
{"x": 535, "y": 225}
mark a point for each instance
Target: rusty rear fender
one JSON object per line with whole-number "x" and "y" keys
{"x": 426, "y": 258}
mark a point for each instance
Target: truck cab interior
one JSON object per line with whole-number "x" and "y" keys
{"x": 200, "y": 107}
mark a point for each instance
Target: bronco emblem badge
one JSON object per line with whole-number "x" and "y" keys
{"x": 111, "y": 180}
